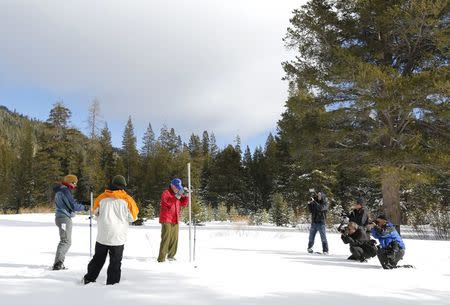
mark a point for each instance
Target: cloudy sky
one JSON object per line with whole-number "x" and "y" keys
{"x": 193, "y": 65}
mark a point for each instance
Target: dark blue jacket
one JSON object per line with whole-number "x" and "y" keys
{"x": 387, "y": 235}
{"x": 65, "y": 204}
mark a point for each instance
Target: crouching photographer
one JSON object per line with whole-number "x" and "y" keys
{"x": 392, "y": 248}
{"x": 361, "y": 247}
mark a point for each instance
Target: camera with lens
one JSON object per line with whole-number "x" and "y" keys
{"x": 314, "y": 196}
{"x": 343, "y": 226}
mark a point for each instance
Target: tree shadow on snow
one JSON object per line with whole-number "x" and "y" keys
{"x": 313, "y": 259}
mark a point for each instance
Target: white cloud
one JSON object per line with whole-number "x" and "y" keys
{"x": 193, "y": 65}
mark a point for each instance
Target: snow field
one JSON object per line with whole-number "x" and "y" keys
{"x": 235, "y": 264}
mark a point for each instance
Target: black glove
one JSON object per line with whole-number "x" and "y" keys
{"x": 373, "y": 242}
{"x": 87, "y": 207}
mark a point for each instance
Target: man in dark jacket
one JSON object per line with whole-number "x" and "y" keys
{"x": 66, "y": 206}
{"x": 318, "y": 207}
{"x": 391, "y": 249}
{"x": 359, "y": 214}
{"x": 361, "y": 246}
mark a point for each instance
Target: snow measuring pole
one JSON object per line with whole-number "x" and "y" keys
{"x": 90, "y": 225}
{"x": 190, "y": 211}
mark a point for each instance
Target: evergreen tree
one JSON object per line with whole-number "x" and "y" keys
{"x": 205, "y": 144}
{"x": 213, "y": 148}
{"x": 225, "y": 182}
{"x": 130, "y": 154}
{"x": 107, "y": 160}
{"x": 148, "y": 142}
{"x": 280, "y": 212}
{"x": 23, "y": 171}
{"x": 59, "y": 118}
{"x": 369, "y": 84}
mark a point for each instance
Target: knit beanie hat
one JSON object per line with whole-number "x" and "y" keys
{"x": 70, "y": 179}
{"x": 119, "y": 180}
{"x": 360, "y": 201}
{"x": 382, "y": 216}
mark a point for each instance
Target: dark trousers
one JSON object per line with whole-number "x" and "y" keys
{"x": 389, "y": 258}
{"x": 318, "y": 227}
{"x": 358, "y": 253}
{"x": 97, "y": 262}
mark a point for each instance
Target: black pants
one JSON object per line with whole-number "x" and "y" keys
{"x": 357, "y": 253}
{"x": 389, "y": 257}
{"x": 97, "y": 262}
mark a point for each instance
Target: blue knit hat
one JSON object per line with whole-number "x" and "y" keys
{"x": 177, "y": 183}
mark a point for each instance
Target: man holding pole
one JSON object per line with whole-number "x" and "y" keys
{"x": 172, "y": 200}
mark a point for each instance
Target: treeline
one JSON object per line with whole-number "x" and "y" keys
{"x": 368, "y": 115}
{"x": 34, "y": 155}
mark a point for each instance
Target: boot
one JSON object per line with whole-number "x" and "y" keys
{"x": 59, "y": 266}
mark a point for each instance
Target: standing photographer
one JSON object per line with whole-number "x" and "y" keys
{"x": 361, "y": 246}
{"x": 392, "y": 248}
{"x": 318, "y": 207}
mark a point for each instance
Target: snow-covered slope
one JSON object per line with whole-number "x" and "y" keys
{"x": 233, "y": 266}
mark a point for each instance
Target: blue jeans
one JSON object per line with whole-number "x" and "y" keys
{"x": 312, "y": 235}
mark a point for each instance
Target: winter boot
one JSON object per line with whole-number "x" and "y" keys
{"x": 352, "y": 258}
{"x": 310, "y": 250}
{"x": 58, "y": 266}
{"x": 85, "y": 281}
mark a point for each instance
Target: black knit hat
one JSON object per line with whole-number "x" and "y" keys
{"x": 119, "y": 180}
{"x": 382, "y": 216}
{"x": 360, "y": 201}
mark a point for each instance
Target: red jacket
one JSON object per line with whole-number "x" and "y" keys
{"x": 171, "y": 206}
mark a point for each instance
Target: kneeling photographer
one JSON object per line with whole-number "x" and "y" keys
{"x": 361, "y": 246}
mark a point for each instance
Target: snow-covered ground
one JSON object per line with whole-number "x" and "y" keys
{"x": 234, "y": 265}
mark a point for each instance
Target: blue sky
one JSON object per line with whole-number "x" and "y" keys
{"x": 202, "y": 65}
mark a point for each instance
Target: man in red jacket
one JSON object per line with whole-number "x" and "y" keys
{"x": 172, "y": 200}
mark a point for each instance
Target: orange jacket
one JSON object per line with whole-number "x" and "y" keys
{"x": 114, "y": 211}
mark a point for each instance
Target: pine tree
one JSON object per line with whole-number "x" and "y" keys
{"x": 107, "y": 160}
{"x": 130, "y": 154}
{"x": 213, "y": 148}
{"x": 205, "y": 144}
{"x": 23, "y": 171}
{"x": 148, "y": 142}
{"x": 59, "y": 118}
{"x": 280, "y": 211}
{"x": 369, "y": 85}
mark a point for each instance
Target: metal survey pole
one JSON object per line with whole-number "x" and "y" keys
{"x": 190, "y": 212}
{"x": 90, "y": 225}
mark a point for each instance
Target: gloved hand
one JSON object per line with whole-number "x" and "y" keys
{"x": 87, "y": 207}
{"x": 373, "y": 242}
{"x": 186, "y": 191}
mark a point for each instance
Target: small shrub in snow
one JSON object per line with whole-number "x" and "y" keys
{"x": 280, "y": 212}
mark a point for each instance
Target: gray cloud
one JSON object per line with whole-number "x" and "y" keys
{"x": 193, "y": 65}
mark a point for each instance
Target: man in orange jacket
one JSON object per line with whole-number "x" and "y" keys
{"x": 114, "y": 209}
{"x": 172, "y": 200}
